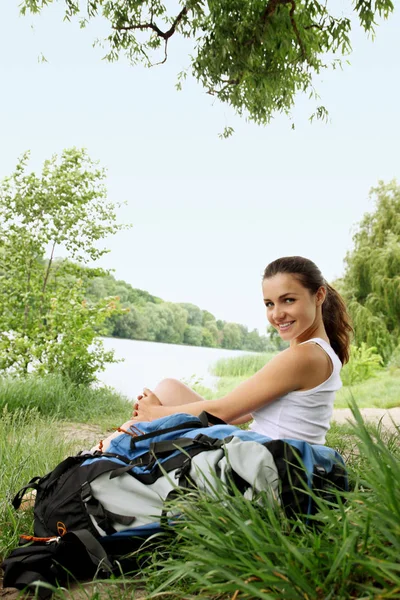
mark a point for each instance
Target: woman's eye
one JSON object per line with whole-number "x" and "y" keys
{"x": 268, "y": 304}
{"x": 289, "y": 300}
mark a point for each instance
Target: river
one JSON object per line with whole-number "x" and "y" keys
{"x": 146, "y": 363}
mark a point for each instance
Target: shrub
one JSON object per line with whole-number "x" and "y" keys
{"x": 364, "y": 363}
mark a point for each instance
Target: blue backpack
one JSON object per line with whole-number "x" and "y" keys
{"x": 94, "y": 509}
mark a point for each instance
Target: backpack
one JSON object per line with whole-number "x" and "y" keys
{"x": 94, "y": 511}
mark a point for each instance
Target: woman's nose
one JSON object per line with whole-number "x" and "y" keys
{"x": 278, "y": 313}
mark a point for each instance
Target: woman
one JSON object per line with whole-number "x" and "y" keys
{"x": 292, "y": 396}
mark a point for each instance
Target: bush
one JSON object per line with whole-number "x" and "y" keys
{"x": 394, "y": 362}
{"x": 364, "y": 363}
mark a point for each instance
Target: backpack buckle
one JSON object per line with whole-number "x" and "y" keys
{"x": 54, "y": 539}
{"x": 208, "y": 442}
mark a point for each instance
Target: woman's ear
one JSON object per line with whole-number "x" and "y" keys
{"x": 320, "y": 295}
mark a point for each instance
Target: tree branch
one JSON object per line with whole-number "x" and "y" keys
{"x": 28, "y": 289}
{"x": 46, "y": 278}
{"x": 270, "y": 9}
{"x": 294, "y": 25}
{"x": 214, "y": 92}
{"x": 161, "y": 62}
{"x": 163, "y": 34}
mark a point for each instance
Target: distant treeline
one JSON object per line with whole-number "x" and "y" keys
{"x": 147, "y": 317}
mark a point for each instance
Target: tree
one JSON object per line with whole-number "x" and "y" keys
{"x": 193, "y": 335}
{"x": 371, "y": 284}
{"x": 132, "y": 324}
{"x": 207, "y": 318}
{"x": 46, "y": 324}
{"x": 255, "y": 55}
{"x": 255, "y": 342}
{"x": 275, "y": 339}
{"x": 232, "y": 336}
{"x": 212, "y": 337}
{"x": 195, "y": 314}
{"x": 166, "y": 322}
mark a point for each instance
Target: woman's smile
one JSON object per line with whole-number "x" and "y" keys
{"x": 285, "y": 326}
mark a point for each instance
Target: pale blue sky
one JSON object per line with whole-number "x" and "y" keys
{"x": 207, "y": 215}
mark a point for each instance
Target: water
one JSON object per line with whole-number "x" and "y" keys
{"x": 146, "y": 363}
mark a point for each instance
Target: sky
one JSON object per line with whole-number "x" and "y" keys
{"x": 207, "y": 214}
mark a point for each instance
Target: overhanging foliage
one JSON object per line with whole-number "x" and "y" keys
{"x": 253, "y": 55}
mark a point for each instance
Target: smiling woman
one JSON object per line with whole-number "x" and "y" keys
{"x": 292, "y": 396}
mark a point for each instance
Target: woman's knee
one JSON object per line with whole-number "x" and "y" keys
{"x": 173, "y": 392}
{"x": 168, "y": 384}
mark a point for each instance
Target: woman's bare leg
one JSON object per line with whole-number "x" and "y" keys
{"x": 172, "y": 392}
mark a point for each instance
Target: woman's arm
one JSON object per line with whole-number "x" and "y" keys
{"x": 241, "y": 420}
{"x": 286, "y": 372}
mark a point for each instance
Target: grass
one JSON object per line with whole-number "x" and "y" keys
{"x": 381, "y": 391}
{"x": 30, "y": 445}
{"x": 228, "y": 548}
{"x": 55, "y": 397}
{"x": 240, "y": 366}
{"x": 231, "y": 548}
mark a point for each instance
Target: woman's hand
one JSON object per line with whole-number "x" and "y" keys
{"x": 148, "y": 407}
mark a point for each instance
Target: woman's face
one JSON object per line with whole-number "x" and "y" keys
{"x": 291, "y": 308}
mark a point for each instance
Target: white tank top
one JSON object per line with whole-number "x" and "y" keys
{"x": 303, "y": 415}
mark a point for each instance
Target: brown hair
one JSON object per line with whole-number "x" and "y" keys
{"x": 334, "y": 312}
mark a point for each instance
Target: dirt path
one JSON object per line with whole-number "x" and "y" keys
{"x": 390, "y": 417}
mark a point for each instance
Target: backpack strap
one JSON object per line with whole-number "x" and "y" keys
{"x": 94, "y": 549}
{"x": 294, "y": 496}
{"x": 191, "y": 446}
{"x": 201, "y": 421}
{"x": 212, "y": 419}
{"x": 158, "y": 449}
{"x": 48, "y": 480}
{"x": 32, "y": 485}
{"x": 103, "y": 517}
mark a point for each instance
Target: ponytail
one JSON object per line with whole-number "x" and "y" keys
{"x": 334, "y": 312}
{"x": 337, "y": 323}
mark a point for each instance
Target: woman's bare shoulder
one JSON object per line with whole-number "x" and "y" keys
{"x": 313, "y": 363}
{"x": 302, "y": 352}
{"x": 307, "y": 364}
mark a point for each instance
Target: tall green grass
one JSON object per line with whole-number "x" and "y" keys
{"x": 56, "y": 397}
{"x": 229, "y": 547}
{"x": 30, "y": 444}
{"x": 240, "y": 366}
